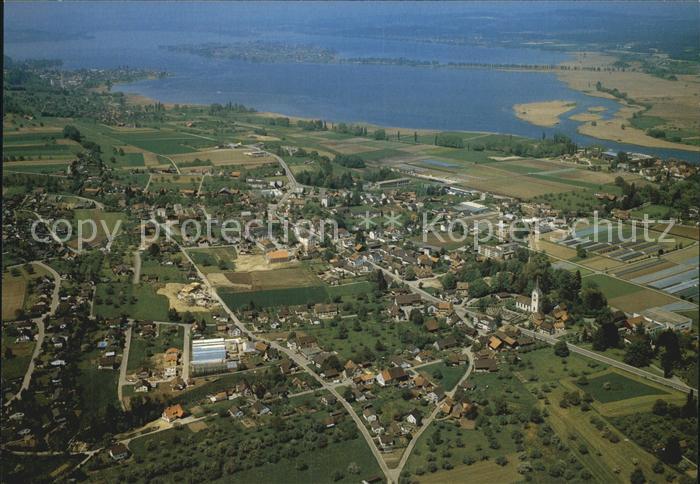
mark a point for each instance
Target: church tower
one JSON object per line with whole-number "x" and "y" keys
{"x": 536, "y": 305}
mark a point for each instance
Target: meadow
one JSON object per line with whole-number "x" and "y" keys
{"x": 142, "y": 350}
{"x": 14, "y": 290}
{"x": 614, "y": 386}
{"x": 138, "y": 301}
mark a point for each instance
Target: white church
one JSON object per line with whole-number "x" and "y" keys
{"x": 531, "y": 304}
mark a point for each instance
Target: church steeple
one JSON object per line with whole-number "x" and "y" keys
{"x": 536, "y": 297}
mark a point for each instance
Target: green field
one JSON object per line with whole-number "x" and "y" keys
{"x": 97, "y": 388}
{"x": 213, "y": 259}
{"x": 147, "y": 304}
{"x": 612, "y": 288}
{"x": 295, "y": 450}
{"x": 164, "y": 273}
{"x": 141, "y": 350}
{"x": 450, "y": 375}
{"x": 620, "y": 388}
{"x": 291, "y": 296}
{"x": 36, "y": 167}
{"x": 15, "y": 366}
{"x": 26, "y": 468}
{"x": 352, "y": 289}
{"x": 165, "y": 142}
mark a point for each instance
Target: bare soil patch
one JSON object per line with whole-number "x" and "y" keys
{"x": 170, "y": 290}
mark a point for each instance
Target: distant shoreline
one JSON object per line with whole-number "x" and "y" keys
{"x": 600, "y": 132}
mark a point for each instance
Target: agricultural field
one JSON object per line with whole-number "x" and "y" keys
{"x": 223, "y": 157}
{"x": 586, "y": 429}
{"x": 138, "y": 301}
{"x": 15, "y": 295}
{"x": 97, "y": 388}
{"x": 174, "y": 182}
{"x": 444, "y": 375}
{"x": 105, "y": 222}
{"x": 15, "y": 355}
{"x": 162, "y": 141}
{"x": 312, "y": 456}
{"x": 492, "y": 448}
{"x": 213, "y": 259}
{"x": 142, "y": 351}
{"x": 613, "y": 386}
{"x": 351, "y": 338}
{"x": 290, "y": 296}
{"x": 626, "y": 296}
{"x": 157, "y": 270}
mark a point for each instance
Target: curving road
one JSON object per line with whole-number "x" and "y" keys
{"x": 123, "y": 366}
{"x": 298, "y": 359}
{"x": 41, "y": 330}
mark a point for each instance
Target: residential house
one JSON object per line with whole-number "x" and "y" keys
{"x": 173, "y": 412}
{"x": 414, "y": 417}
{"x": 235, "y": 411}
{"x": 485, "y": 365}
{"x": 391, "y": 376}
{"x": 118, "y": 452}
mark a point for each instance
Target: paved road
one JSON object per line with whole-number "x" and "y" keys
{"x": 145, "y": 189}
{"x": 395, "y": 473}
{"x": 41, "y": 330}
{"x": 123, "y": 366}
{"x": 137, "y": 267}
{"x": 171, "y": 161}
{"x": 201, "y": 182}
{"x": 413, "y": 285}
{"x": 98, "y": 205}
{"x": 552, "y": 340}
{"x": 609, "y": 361}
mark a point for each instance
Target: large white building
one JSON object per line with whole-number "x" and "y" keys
{"x": 208, "y": 356}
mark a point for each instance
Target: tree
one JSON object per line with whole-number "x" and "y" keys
{"x": 416, "y": 317}
{"x": 672, "y": 451}
{"x": 449, "y": 281}
{"x": 381, "y": 280}
{"x": 690, "y": 409}
{"x": 669, "y": 341}
{"x": 71, "y": 132}
{"x": 639, "y": 353}
{"x": 606, "y": 337}
{"x": 667, "y": 362}
{"x": 660, "y": 407}
{"x": 637, "y": 477}
{"x": 154, "y": 250}
{"x": 410, "y": 274}
{"x": 593, "y": 299}
{"x": 561, "y": 349}
{"x": 536, "y": 415}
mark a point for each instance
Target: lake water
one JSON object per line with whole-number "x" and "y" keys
{"x": 410, "y": 97}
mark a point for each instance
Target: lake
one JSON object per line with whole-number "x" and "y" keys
{"x": 389, "y": 95}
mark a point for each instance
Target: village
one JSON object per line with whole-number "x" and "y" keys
{"x": 385, "y": 307}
